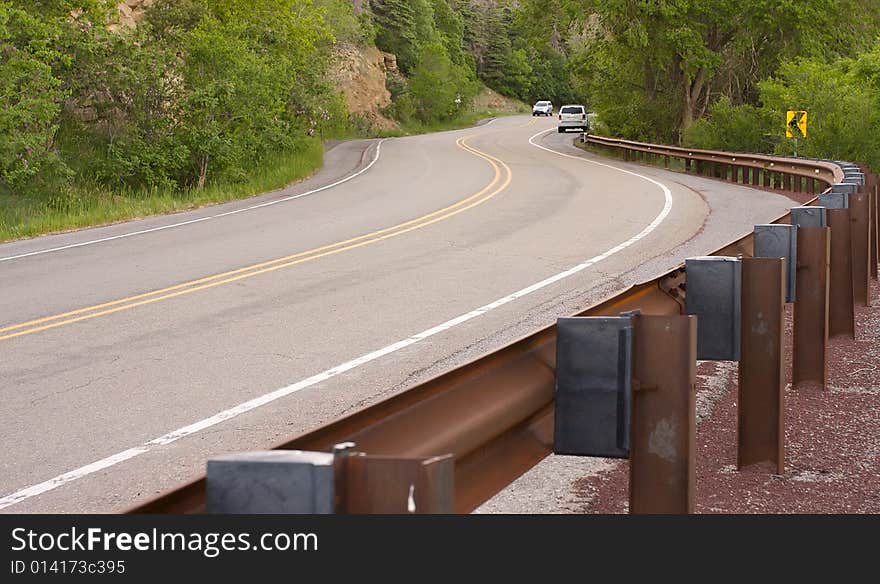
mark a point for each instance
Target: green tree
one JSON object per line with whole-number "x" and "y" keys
{"x": 735, "y": 128}
{"x": 402, "y": 27}
{"x": 679, "y": 56}
{"x": 30, "y": 98}
{"x": 440, "y": 88}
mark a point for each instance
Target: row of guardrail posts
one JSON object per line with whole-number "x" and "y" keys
{"x": 768, "y": 176}
{"x": 626, "y": 385}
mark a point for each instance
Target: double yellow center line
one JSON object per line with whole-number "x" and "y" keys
{"x": 500, "y": 181}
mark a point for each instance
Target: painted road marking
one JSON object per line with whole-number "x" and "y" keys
{"x": 486, "y": 193}
{"x": 217, "y": 216}
{"x": 200, "y": 219}
{"x": 262, "y": 400}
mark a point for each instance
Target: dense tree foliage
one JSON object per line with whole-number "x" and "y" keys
{"x": 426, "y": 36}
{"x": 842, "y": 98}
{"x": 652, "y": 68}
{"x": 30, "y": 96}
{"x": 200, "y": 90}
{"x": 203, "y": 90}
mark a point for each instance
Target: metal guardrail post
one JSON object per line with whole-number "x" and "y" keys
{"x": 713, "y": 295}
{"x": 809, "y": 216}
{"x": 841, "y": 312}
{"x": 760, "y": 414}
{"x": 779, "y": 241}
{"x": 876, "y": 265}
{"x": 811, "y": 308}
{"x": 300, "y": 482}
{"x": 593, "y": 386}
{"x": 625, "y": 389}
{"x": 274, "y": 481}
{"x": 395, "y": 485}
{"x": 874, "y": 241}
{"x": 662, "y": 455}
{"x": 861, "y": 257}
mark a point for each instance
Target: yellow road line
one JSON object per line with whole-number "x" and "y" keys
{"x": 266, "y": 263}
{"x": 130, "y": 302}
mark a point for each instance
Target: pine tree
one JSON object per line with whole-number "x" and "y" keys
{"x": 404, "y": 25}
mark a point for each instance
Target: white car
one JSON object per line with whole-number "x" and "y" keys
{"x": 573, "y": 116}
{"x": 542, "y": 108}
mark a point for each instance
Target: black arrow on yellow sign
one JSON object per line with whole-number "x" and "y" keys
{"x": 796, "y": 124}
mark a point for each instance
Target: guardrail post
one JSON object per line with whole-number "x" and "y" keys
{"x": 875, "y": 217}
{"x": 275, "y": 481}
{"x": 760, "y": 414}
{"x": 861, "y": 256}
{"x": 840, "y": 288}
{"x": 625, "y": 389}
{"x": 662, "y": 456}
{"x": 778, "y": 240}
{"x": 811, "y": 308}
{"x": 299, "y": 482}
{"x": 593, "y": 386}
{"x": 713, "y": 295}
{"x": 841, "y": 313}
{"x": 396, "y": 485}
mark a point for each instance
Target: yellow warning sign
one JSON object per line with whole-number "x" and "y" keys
{"x": 796, "y": 124}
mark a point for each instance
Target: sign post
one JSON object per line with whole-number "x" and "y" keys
{"x": 795, "y": 126}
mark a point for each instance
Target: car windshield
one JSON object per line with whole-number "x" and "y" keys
{"x": 542, "y": 103}
{"x": 572, "y": 109}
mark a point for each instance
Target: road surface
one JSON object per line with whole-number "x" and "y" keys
{"x": 129, "y": 354}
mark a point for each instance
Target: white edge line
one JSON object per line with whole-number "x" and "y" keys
{"x": 262, "y": 400}
{"x": 200, "y": 219}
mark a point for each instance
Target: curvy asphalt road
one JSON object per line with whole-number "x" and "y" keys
{"x": 129, "y": 354}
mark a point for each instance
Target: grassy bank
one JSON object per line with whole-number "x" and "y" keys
{"x": 86, "y": 205}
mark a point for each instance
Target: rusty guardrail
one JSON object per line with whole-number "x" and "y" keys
{"x": 495, "y": 415}
{"x": 799, "y": 175}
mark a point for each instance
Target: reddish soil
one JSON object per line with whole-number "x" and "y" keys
{"x": 832, "y": 438}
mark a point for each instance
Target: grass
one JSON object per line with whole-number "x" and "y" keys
{"x": 89, "y": 205}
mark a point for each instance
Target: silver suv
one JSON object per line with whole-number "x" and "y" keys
{"x": 573, "y": 116}
{"x": 542, "y": 108}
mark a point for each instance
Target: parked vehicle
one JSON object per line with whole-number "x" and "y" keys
{"x": 573, "y": 116}
{"x": 542, "y": 108}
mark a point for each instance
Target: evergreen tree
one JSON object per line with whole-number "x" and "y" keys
{"x": 403, "y": 25}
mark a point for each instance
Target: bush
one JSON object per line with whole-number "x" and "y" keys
{"x": 440, "y": 89}
{"x": 201, "y": 91}
{"x": 30, "y": 101}
{"x": 743, "y": 128}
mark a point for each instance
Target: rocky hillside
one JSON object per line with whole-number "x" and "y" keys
{"x": 360, "y": 74}
{"x": 130, "y": 12}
